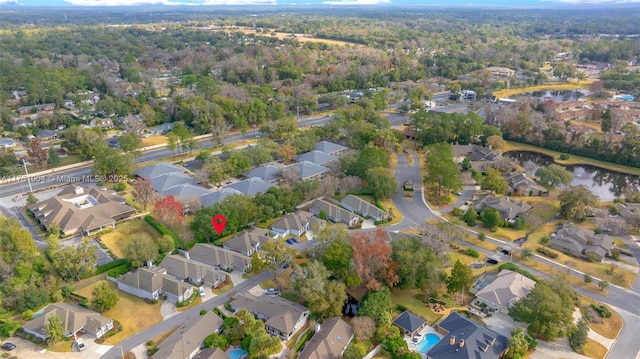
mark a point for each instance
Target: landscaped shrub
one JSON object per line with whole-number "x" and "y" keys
{"x": 119, "y": 270}
{"x": 564, "y": 156}
{"x": 547, "y": 252}
{"x": 162, "y": 229}
{"x": 602, "y": 310}
{"x": 303, "y": 340}
{"x": 458, "y": 212}
{"x": 472, "y": 253}
{"x": 400, "y": 308}
{"x": 108, "y": 266}
{"x": 120, "y": 186}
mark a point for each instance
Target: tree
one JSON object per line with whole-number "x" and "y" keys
{"x": 496, "y": 143}
{"x": 606, "y": 122}
{"x": 323, "y": 297}
{"x": 554, "y": 175}
{"x": 491, "y": 218}
{"x": 442, "y": 170}
{"x": 104, "y": 298}
{"x": 53, "y": 159}
{"x": 372, "y": 259}
{"x": 337, "y": 258}
{"x": 172, "y": 142}
{"x": 169, "y": 211}
{"x": 31, "y": 199}
{"x": 494, "y": 182}
{"x": 470, "y": 217}
{"x": 75, "y": 262}
{"x": 143, "y": 192}
{"x": 588, "y": 279}
{"x": 111, "y": 163}
{"x": 353, "y": 351}
{"x": 370, "y": 157}
{"x": 377, "y": 306}
{"x": 549, "y": 314}
{"x": 363, "y": 327}
{"x": 518, "y": 345}
{"x": 461, "y": 278}
{"x": 215, "y": 341}
{"x": 139, "y": 250}
{"x": 417, "y": 265}
{"x": 54, "y": 329}
{"x": 579, "y": 335}
{"x": 603, "y": 284}
{"x": 380, "y": 182}
{"x": 130, "y": 142}
{"x": 575, "y": 201}
{"x": 286, "y": 152}
{"x": 526, "y": 253}
{"x": 274, "y": 254}
{"x": 37, "y": 154}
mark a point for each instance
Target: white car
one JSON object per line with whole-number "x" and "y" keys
{"x": 201, "y": 291}
{"x": 80, "y": 345}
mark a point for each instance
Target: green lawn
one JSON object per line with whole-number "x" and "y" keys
{"x": 125, "y": 232}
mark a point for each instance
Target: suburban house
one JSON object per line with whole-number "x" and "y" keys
{"x": 251, "y": 186}
{"x": 6, "y": 142}
{"x": 219, "y": 257}
{"x": 521, "y": 185}
{"x": 162, "y": 129}
{"x": 103, "y": 123}
{"x": 186, "y": 341}
{"x": 509, "y": 209}
{"x": 466, "y": 339}
{"x": 297, "y": 223}
{"x": 282, "y": 317}
{"x": 331, "y": 148}
{"x": 81, "y": 210}
{"x": 74, "y": 319}
{"x": 36, "y": 108}
{"x": 329, "y": 341}
{"x": 500, "y": 71}
{"x": 247, "y": 242}
{"x": 504, "y": 291}
{"x": 186, "y": 193}
{"x": 308, "y": 171}
{"x": 184, "y": 269}
{"x": 213, "y": 197}
{"x": 333, "y": 213}
{"x": 268, "y": 173}
{"x": 212, "y": 353}
{"x": 176, "y": 290}
{"x": 316, "y": 157}
{"x": 213, "y": 278}
{"x": 409, "y": 323}
{"x": 480, "y": 156}
{"x": 163, "y": 183}
{"x": 627, "y": 210}
{"x": 145, "y": 282}
{"x": 580, "y": 242}
{"x": 46, "y": 135}
{"x": 365, "y": 209}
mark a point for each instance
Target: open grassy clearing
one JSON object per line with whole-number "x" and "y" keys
{"x": 125, "y": 232}
{"x": 133, "y": 313}
{"x": 549, "y": 87}
{"x": 284, "y": 35}
{"x": 154, "y": 140}
{"x": 573, "y": 159}
{"x": 594, "y": 349}
{"x": 411, "y": 299}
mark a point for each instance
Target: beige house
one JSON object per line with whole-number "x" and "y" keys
{"x": 143, "y": 282}
{"x": 363, "y": 208}
{"x": 247, "y": 242}
{"x": 184, "y": 269}
{"x": 186, "y": 341}
{"x": 81, "y": 210}
{"x": 580, "y": 242}
{"x": 333, "y": 213}
{"x": 176, "y": 290}
{"x": 329, "y": 341}
{"x": 74, "y": 319}
{"x": 219, "y": 257}
{"x": 506, "y": 289}
{"x": 282, "y": 317}
{"x": 297, "y": 223}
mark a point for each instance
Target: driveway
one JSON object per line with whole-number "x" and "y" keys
{"x": 27, "y": 350}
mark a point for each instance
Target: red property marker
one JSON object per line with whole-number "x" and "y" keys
{"x": 219, "y": 222}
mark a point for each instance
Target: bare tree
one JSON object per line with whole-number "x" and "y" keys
{"x": 143, "y": 192}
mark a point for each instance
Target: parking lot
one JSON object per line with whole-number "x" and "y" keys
{"x": 27, "y": 350}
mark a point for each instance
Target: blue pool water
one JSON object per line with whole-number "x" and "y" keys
{"x": 237, "y": 353}
{"x": 429, "y": 341}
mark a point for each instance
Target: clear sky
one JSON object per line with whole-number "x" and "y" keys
{"x": 537, "y": 3}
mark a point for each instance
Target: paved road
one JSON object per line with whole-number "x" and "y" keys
{"x": 183, "y": 317}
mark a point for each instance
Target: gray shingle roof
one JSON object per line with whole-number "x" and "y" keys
{"x": 308, "y": 169}
{"x": 409, "y": 322}
{"x": 506, "y": 289}
{"x": 269, "y": 172}
{"x": 317, "y": 157}
{"x": 159, "y": 169}
{"x": 252, "y": 186}
{"x": 166, "y": 181}
{"x": 329, "y": 343}
{"x": 330, "y": 147}
{"x": 479, "y": 342}
{"x": 282, "y": 314}
{"x": 211, "y": 198}
{"x": 188, "y": 337}
{"x": 185, "y": 191}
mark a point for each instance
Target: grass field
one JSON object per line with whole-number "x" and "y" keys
{"x": 573, "y": 160}
{"x": 154, "y": 140}
{"x": 117, "y": 240}
{"x": 283, "y": 35}
{"x": 550, "y": 87}
{"x": 133, "y": 313}
{"x": 410, "y": 299}
{"x": 594, "y": 349}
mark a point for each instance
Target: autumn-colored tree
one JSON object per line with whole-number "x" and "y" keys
{"x": 37, "y": 154}
{"x": 169, "y": 211}
{"x": 286, "y": 152}
{"x": 143, "y": 192}
{"x": 372, "y": 259}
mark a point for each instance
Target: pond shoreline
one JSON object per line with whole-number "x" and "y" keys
{"x": 573, "y": 159}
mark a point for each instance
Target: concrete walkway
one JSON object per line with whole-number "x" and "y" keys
{"x": 606, "y": 342}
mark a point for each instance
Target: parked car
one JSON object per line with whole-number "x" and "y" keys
{"x": 80, "y": 345}
{"x": 295, "y": 240}
{"x": 605, "y": 229}
{"x": 8, "y": 346}
{"x": 201, "y": 291}
{"x": 290, "y": 241}
{"x": 285, "y": 266}
{"x": 272, "y": 291}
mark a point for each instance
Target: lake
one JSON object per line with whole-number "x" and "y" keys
{"x": 604, "y": 183}
{"x": 558, "y": 96}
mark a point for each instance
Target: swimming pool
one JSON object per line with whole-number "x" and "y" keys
{"x": 429, "y": 341}
{"x": 237, "y": 354}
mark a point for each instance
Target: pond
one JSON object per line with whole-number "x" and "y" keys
{"x": 604, "y": 183}
{"x": 557, "y": 96}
